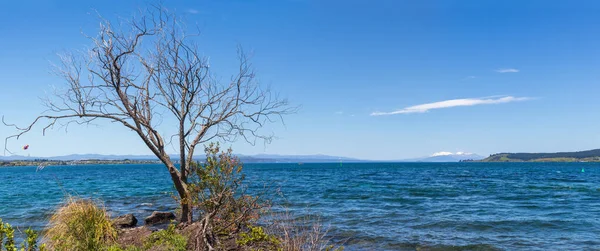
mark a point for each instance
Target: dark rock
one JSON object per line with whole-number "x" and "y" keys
{"x": 159, "y": 217}
{"x": 133, "y": 236}
{"x": 125, "y": 221}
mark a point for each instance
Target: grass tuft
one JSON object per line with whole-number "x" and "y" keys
{"x": 300, "y": 233}
{"x": 80, "y": 224}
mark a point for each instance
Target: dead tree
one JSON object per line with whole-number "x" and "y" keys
{"x": 147, "y": 71}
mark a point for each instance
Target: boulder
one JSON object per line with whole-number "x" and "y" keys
{"x": 133, "y": 236}
{"x": 159, "y": 217}
{"x": 125, "y": 221}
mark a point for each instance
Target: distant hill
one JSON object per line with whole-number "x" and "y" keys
{"x": 304, "y": 158}
{"x": 260, "y": 158}
{"x": 590, "y": 156}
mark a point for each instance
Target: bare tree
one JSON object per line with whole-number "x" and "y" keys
{"x": 146, "y": 71}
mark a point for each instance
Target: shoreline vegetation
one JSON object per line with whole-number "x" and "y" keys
{"x": 580, "y": 156}
{"x": 44, "y": 162}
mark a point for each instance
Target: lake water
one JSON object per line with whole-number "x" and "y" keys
{"x": 367, "y": 206}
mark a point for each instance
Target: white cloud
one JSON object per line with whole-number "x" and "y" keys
{"x": 193, "y": 11}
{"x": 339, "y": 112}
{"x": 454, "y": 103}
{"x": 507, "y": 70}
{"x": 470, "y": 77}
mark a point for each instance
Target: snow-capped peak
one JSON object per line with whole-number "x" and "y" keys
{"x": 441, "y": 154}
{"x": 449, "y": 153}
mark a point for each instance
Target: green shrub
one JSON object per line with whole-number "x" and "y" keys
{"x": 257, "y": 237}
{"x": 30, "y": 244}
{"x": 218, "y": 192}
{"x": 228, "y": 212}
{"x": 80, "y": 225}
{"x": 119, "y": 248}
{"x": 168, "y": 239}
{"x": 31, "y": 241}
{"x": 9, "y": 232}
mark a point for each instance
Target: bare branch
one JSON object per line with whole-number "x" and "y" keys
{"x": 146, "y": 70}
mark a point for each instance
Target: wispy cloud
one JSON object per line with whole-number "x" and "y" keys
{"x": 339, "y": 112}
{"x": 507, "y": 70}
{"x": 454, "y": 103}
{"x": 470, "y": 77}
{"x": 193, "y": 11}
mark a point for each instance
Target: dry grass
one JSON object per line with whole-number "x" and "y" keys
{"x": 304, "y": 233}
{"x": 80, "y": 224}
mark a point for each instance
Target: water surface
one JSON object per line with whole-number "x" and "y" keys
{"x": 367, "y": 206}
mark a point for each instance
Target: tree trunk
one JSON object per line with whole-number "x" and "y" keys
{"x": 186, "y": 211}
{"x": 184, "y": 195}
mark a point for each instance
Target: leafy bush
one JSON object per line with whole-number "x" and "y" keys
{"x": 119, "y": 248}
{"x": 218, "y": 192}
{"x": 80, "y": 225}
{"x": 167, "y": 239}
{"x": 229, "y": 215}
{"x": 31, "y": 241}
{"x": 220, "y": 198}
{"x": 30, "y": 244}
{"x": 8, "y": 232}
{"x": 257, "y": 237}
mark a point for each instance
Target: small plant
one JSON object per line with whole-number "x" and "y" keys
{"x": 9, "y": 231}
{"x": 119, "y": 248}
{"x": 257, "y": 237}
{"x": 168, "y": 239}
{"x": 30, "y": 244}
{"x": 31, "y": 241}
{"x": 333, "y": 248}
{"x": 2, "y": 233}
{"x": 218, "y": 191}
{"x": 80, "y": 225}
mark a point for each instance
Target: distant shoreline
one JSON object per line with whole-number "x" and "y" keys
{"x": 10, "y": 163}
{"x": 15, "y": 163}
{"x": 557, "y": 160}
{"x": 22, "y": 163}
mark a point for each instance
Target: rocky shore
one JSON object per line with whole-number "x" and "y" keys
{"x": 130, "y": 234}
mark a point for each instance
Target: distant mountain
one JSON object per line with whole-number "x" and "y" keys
{"x": 304, "y": 158}
{"x": 260, "y": 158}
{"x": 447, "y": 157}
{"x": 586, "y": 156}
{"x": 15, "y": 157}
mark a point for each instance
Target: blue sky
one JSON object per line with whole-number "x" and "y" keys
{"x": 375, "y": 79}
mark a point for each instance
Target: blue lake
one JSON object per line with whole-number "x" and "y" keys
{"x": 366, "y": 206}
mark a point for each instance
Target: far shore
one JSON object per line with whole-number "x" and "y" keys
{"x": 43, "y": 163}
{"x": 73, "y": 162}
